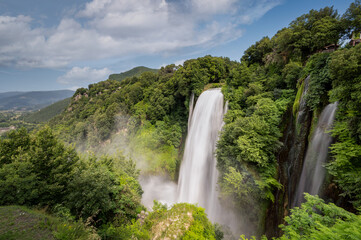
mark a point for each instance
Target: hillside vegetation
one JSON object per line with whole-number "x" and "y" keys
{"x": 150, "y": 111}
{"x": 18, "y": 222}
{"x": 134, "y": 72}
{"x": 13, "y": 119}
{"x": 149, "y": 114}
{"x": 47, "y": 113}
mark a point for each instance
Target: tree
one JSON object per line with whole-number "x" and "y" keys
{"x": 14, "y": 144}
{"x": 53, "y": 164}
{"x": 351, "y": 19}
{"x": 257, "y": 52}
{"x": 316, "y": 29}
{"x": 318, "y": 220}
{"x": 291, "y": 74}
{"x": 38, "y": 170}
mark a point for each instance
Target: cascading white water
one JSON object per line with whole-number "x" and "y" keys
{"x": 191, "y": 104}
{"x": 198, "y": 174}
{"x": 313, "y": 172}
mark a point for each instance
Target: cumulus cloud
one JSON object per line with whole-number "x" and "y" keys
{"x": 116, "y": 28}
{"x": 179, "y": 62}
{"x": 83, "y": 76}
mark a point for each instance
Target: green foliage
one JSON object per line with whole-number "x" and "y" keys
{"x": 305, "y": 35}
{"x": 219, "y": 235}
{"x": 74, "y": 231}
{"x": 134, "y": 72}
{"x": 345, "y": 167}
{"x": 182, "y": 221}
{"x": 345, "y": 71}
{"x": 201, "y": 228}
{"x": 257, "y": 51}
{"x": 314, "y": 30}
{"x": 13, "y": 119}
{"x": 317, "y": 220}
{"x": 130, "y": 231}
{"x": 244, "y": 238}
{"x": 47, "y": 113}
{"x": 351, "y": 18}
{"x": 38, "y": 170}
{"x": 291, "y": 73}
{"x": 154, "y": 107}
{"x": 105, "y": 190}
{"x": 154, "y": 150}
{"x": 241, "y": 185}
{"x": 320, "y": 81}
{"x": 150, "y": 110}
{"x": 250, "y": 141}
{"x": 241, "y": 75}
{"x": 17, "y": 222}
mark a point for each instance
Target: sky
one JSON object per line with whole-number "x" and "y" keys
{"x": 52, "y": 44}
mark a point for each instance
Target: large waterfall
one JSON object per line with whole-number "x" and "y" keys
{"x": 313, "y": 172}
{"x": 198, "y": 174}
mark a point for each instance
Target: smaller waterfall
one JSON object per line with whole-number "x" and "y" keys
{"x": 313, "y": 172}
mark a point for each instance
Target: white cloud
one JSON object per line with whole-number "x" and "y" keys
{"x": 116, "y": 28}
{"x": 179, "y": 62}
{"x": 83, "y": 76}
{"x": 210, "y": 7}
{"x": 255, "y": 10}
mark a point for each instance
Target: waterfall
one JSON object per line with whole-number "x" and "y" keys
{"x": 191, "y": 105}
{"x": 198, "y": 174}
{"x": 313, "y": 172}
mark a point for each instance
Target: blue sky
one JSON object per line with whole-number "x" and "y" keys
{"x": 52, "y": 44}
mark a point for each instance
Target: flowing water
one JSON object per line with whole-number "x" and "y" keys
{"x": 198, "y": 174}
{"x": 313, "y": 171}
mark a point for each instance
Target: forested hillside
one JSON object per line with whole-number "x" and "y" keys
{"x": 150, "y": 111}
{"x": 47, "y": 113}
{"x": 136, "y": 72}
{"x": 275, "y": 96}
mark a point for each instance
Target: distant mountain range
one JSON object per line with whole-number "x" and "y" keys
{"x": 35, "y": 100}
{"x": 48, "y": 112}
{"x": 137, "y": 71}
{"x": 26, "y": 101}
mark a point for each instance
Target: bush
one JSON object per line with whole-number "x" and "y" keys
{"x": 317, "y": 220}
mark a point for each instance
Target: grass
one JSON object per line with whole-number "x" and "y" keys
{"x": 18, "y": 222}
{"x": 21, "y": 223}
